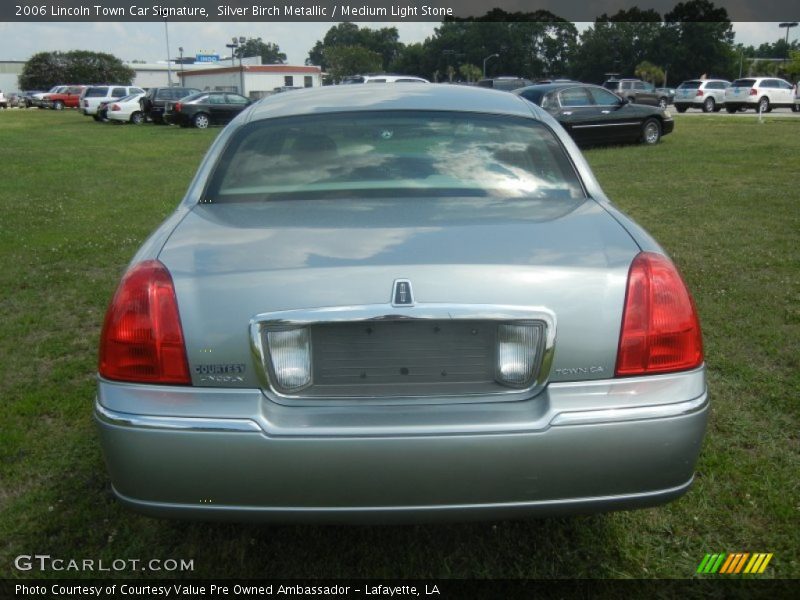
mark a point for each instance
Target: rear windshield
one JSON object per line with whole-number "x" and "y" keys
{"x": 690, "y": 85}
{"x": 744, "y": 83}
{"x": 393, "y": 154}
{"x": 96, "y": 92}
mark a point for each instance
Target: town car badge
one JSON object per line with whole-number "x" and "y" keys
{"x": 401, "y": 293}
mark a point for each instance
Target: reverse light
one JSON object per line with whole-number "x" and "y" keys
{"x": 517, "y": 353}
{"x": 142, "y": 339}
{"x": 660, "y": 329}
{"x": 290, "y": 353}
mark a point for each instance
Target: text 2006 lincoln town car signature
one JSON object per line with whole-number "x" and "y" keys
{"x": 398, "y": 302}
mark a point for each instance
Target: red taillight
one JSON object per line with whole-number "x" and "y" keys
{"x": 178, "y": 107}
{"x": 699, "y": 93}
{"x": 115, "y": 107}
{"x": 660, "y": 329}
{"x": 753, "y": 92}
{"x": 142, "y": 339}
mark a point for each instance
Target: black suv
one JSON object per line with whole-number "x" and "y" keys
{"x": 638, "y": 92}
{"x": 505, "y": 83}
{"x": 154, "y": 101}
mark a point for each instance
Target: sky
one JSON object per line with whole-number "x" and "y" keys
{"x": 146, "y": 41}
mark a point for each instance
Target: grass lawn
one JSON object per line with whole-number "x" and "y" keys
{"x": 77, "y": 198}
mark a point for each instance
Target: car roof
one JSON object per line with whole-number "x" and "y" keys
{"x": 410, "y": 96}
{"x": 547, "y": 87}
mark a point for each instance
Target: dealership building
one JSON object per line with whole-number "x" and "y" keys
{"x": 251, "y": 78}
{"x": 253, "y": 81}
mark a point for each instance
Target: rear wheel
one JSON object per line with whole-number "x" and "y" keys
{"x": 708, "y": 105}
{"x": 137, "y": 118}
{"x": 763, "y": 105}
{"x": 201, "y": 121}
{"x": 795, "y": 107}
{"x": 651, "y": 132}
{"x": 58, "y": 105}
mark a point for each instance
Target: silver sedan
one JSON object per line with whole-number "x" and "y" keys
{"x": 385, "y": 303}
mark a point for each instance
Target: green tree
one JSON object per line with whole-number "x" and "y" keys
{"x": 350, "y": 60}
{"x": 699, "y": 38}
{"x": 617, "y": 44}
{"x": 46, "y": 69}
{"x": 384, "y": 42}
{"x": 649, "y": 72}
{"x": 529, "y": 44}
{"x": 470, "y": 72}
{"x": 270, "y": 53}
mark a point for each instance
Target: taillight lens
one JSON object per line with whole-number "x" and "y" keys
{"x": 115, "y": 107}
{"x": 142, "y": 339}
{"x": 178, "y": 107}
{"x": 753, "y": 92}
{"x": 699, "y": 93}
{"x": 660, "y": 329}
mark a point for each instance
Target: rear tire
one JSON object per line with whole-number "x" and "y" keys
{"x": 763, "y": 105}
{"x": 651, "y": 132}
{"x": 708, "y": 105}
{"x": 137, "y": 118}
{"x": 201, "y": 121}
{"x": 58, "y": 105}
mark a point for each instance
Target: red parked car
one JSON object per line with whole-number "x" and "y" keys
{"x": 68, "y": 98}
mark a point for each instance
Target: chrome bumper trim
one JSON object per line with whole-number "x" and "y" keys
{"x": 181, "y": 423}
{"x": 635, "y": 413}
{"x": 569, "y": 418}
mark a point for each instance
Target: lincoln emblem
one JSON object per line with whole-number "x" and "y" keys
{"x": 402, "y": 294}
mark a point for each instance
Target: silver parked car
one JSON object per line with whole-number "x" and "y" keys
{"x": 705, "y": 94}
{"x": 396, "y": 303}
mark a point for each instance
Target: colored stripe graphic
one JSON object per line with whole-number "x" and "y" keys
{"x": 734, "y": 563}
{"x": 765, "y": 563}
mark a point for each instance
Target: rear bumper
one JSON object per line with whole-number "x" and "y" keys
{"x": 587, "y": 447}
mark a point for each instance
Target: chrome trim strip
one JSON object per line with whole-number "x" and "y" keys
{"x": 635, "y": 413}
{"x": 183, "y": 423}
{"x": 210, "y": 508}
{"x": 606, "y": 125}
{"x": 387, "y": 312}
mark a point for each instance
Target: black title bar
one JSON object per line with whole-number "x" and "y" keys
{"x": 370, "y": 10}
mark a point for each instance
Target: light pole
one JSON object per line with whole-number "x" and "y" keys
{"x": 169, "y": 69}
{"x": 180, "y": 49}
{"x": 788, "y": 26}
{"x": 495, "y": 55}
{"x": 242, "y": 40}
